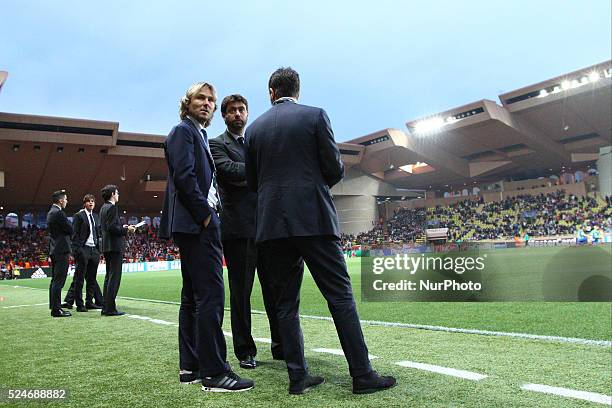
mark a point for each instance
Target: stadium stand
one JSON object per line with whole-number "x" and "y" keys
{"x": 552, "y": 214}
{"x": 28, "y": 247}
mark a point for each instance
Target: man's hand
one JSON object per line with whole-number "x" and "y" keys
{"x": 131, "y": 228}
{"x": 207, "y": 221}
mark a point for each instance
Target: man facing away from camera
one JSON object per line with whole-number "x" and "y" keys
{"x": 191, "y": 217}
{"x": 292, "y": 161}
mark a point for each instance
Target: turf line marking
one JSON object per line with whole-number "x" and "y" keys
{"x": 167, "y": 323}
{"x": 336, "y": 352}
{"x": 556, "y": 339}
{"x": 468, "y": 375}
{"x": 35, "y": 304}
{"x": 149, "y": 319}
{"x": 566, "y": 392}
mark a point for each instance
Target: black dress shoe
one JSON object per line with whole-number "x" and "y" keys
{"x": 190, "y": 377}
{"x": 115, "y": 313}
{"x": 66, "y": 305}
{"x": 248, "y": 363}
{"x": 297, "y": 387}
{"x": 81, "y": 309}
{"x": 372, "y": 382}
{"x": 60, "y": 313}
{"x": 91, "y": 306}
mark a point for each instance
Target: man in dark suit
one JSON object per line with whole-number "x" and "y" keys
{"x": 238, "y": 233}
{"x": 60, "y": 230}
{"x": 292, "y": 161}
{"x": 113, "y": 246}
{"x": 190, "y": 217}
{"x": 86, "y": 250}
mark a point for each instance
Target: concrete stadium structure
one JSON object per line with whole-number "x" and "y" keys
{"x": 541, "y": 129}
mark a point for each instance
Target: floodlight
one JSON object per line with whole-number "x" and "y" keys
{"x": 594, "y": 76}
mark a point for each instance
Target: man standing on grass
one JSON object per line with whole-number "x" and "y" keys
{"x": 238, "y": 234}
{"x": 113, "y": 246}
{"x": 85, "y": 244}
{"x": 191, "y": 217}
{"x": 60, "y": 230}
{"x": 292, "y": 161}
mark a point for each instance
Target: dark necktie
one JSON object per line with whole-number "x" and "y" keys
{"x": 93, "y": 229}
{"x": 241, "y": 141}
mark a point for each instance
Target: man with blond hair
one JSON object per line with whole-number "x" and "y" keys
{"x": 191, "y": 218}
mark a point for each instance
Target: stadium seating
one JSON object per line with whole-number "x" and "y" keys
{"x": 28, "y": 247}
{"x": 552, "y": 214}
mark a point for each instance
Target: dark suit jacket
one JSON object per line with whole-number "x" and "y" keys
{"x": 238, "y": 215}
{"x": 190, "y": 172}
{"x": 292, "y": 161}
{"x": 81, "y": 229}
{"x": 112, "y": 230}
{"x": 60, "y": 229}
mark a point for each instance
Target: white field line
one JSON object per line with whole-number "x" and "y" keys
{"x": 566, "y": 392}
{"x": 149, "y": 319}
{"x": 167, "y": 323}
{"x": 35, "y": 304}
{"x": 336, "y": 352}
{"x": 468, "y": 375}
{"x": 557, "y": 339}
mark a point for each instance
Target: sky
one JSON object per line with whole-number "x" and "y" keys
{"x": 370, "y": 65}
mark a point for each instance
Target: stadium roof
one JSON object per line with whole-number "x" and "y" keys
{"x": 545, "y": 127}
{"x": 39, "y": 155}
{"x": 557, "y": 123}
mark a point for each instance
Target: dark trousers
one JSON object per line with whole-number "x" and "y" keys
{"x": 59, "y": 271}
{"x": 112, "y": 280}
{"x": 323, "y": 256}
{"x": 87, "y": 260}
{"x": 201, "y": 342}
{"x": 242, "y": 258}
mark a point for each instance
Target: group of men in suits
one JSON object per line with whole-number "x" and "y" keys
{"x": 85, "y": 238}
{"x": 261, "y": 198}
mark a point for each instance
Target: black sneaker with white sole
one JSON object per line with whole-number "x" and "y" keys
{"x": 189, "y": 377}
{"x": 227, "y": 382}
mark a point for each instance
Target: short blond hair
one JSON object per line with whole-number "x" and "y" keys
{"x": 186, "y": 99}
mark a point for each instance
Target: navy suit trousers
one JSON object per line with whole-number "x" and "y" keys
{"x": 284, "y": 260}
{"x": 201, "y": 342}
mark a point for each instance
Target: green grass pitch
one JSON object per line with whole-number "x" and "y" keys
{"x": 127, "y": 362}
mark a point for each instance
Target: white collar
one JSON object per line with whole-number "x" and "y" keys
{"x": 285, "y": 99}
{"x": 235, "y": 136}
{"x": 57, "y": 206}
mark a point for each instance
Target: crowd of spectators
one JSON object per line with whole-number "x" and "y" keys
{"x": 145, "y": 246}
{"x": 29, "y": 247}
{"x": 469, "y": 220}
{"x": 551, "y": 214}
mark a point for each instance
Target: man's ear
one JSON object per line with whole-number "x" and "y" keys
{"x": 272, "y": 95}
